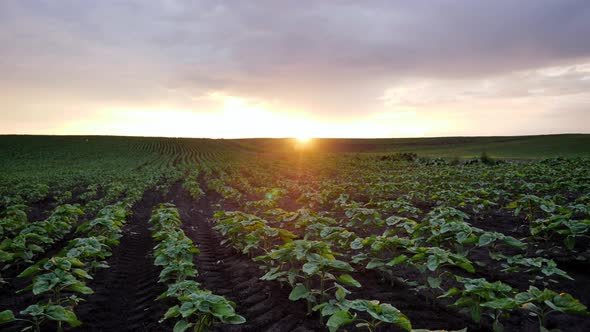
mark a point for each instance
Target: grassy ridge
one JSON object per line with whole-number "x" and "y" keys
{"x": 518, "y": 147}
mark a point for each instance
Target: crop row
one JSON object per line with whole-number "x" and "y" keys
{"x": 310, "y": 268}
{"x": 22, "y": 241}
{"x": 59, "y": 282}
{"x": 442, "y": 239}
{"x": 195, "y": 307}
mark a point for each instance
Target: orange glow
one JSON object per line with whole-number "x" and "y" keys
{"x": 228, "y": 116}
{"x": 303, "y": 139}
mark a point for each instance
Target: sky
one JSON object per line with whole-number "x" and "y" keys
{"x": 236, "y": 69}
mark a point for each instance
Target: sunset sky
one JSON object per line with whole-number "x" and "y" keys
{"x": 295, "y": 68}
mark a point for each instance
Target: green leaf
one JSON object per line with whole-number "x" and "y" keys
{"x": 513, "y": 242}
{"x": 500, "y": 304}
{"x": 222, "y": 308}
{"x": 434, "y": 282}
{"x": 41, "y": 286}
{"x": 273, "y": 274}
{"x": 566, "y": 303}
{"x": 339, "y": 319}
{"x": 171, "y": 313}
{"x": 486, "y": 238}
{"x": 29, "y": 271}
{"x": 181, "y": 326}
{"x": 348, "y": 280}
{"x": 33, "y": 310}
{"x": 385, "y": 312}
{"x": 451, "y": 292}
{"x": 340, "y": 294}
{"x": 339, "y": 265}
{"x": 59, "y": 313}
{"x": 311, "y": 268}
{"x": 234, "y": 319}
{"x": 432, "y": 263}
{"x": 81, "y": 288}
{"x": 398, "y": 260}
{"x": 375, "y": 262}
{"x": 466, "y": 266}
{"x": 356, "y": 244}
{"x": 82, "y": 273}
{"x": 6, "y": 316}
{"x": 298, "y": 293}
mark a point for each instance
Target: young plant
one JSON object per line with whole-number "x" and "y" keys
{"x": 543, "y": 303}
{"x": 342, "y": 311}
{"x": 40, "y": 314}
{"x": 198, "y": 308}
{"x": 433, "y": 258}
{"x": 532, "y": 206}
{"x": 58, "y": 276}
{"x": 379, "y": 250}
{"x": 302, "y": 263}
{"x": 478, "y": 295}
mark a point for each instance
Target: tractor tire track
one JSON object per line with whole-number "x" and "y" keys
{"x": 125, "y": 293}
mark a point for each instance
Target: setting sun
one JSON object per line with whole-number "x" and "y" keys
{"x": 303, "y": 139}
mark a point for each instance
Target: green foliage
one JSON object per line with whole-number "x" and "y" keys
{"x": 542, "y": 303}
{"x": 35, "y": 238}
{"x": 59, "y": 281}
{"x": 198, "y": 309}
{"x": 342, "y": 312}
{"x": 191, "y": 183}
{"x": 248, "y": 233}
{"x": 478, "y": 295}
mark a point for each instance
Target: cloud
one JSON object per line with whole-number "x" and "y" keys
{"x": 556, "y": 81}
{"x": 319, "y": 59}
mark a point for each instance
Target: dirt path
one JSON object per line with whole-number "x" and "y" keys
{"x": 265, "y": 305}
{"x": 124, "y": 298}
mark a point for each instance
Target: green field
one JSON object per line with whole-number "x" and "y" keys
{"x": 165, "y": 234}
{"x": 514, "y": 147}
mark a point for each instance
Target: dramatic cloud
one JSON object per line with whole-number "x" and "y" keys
{"x": 335, "y": 68}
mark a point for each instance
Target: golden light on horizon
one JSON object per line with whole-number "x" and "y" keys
{"x": 303, "y": 142}
{"x": 303, "y": 139}
{"x": 230, "y": 116}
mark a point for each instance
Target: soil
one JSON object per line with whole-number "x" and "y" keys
{"x": 125, "y": 293}
{"x": 264, "y": 304}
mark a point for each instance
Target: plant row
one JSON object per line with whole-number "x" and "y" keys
{"x": 59, "y": 282}
{"x": 195, "y": 307}
{"x": 310, "y": 268}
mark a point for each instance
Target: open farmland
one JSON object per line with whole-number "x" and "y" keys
{"x": 154, "y": 234}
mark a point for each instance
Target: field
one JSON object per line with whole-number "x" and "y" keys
{"x": 155, "y": 234}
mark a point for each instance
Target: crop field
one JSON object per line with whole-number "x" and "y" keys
{"x": 160, "y": 234}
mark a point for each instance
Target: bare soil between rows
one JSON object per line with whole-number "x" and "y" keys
{"x": 265, "y": 304}
{"x": 125, "y": 293}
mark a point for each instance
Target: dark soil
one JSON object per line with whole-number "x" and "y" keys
{"x": 125, "y": 293}
{"x": 578, "y": 270}
{"x": 264, "y": 304}
{"x": 40, "y": 210}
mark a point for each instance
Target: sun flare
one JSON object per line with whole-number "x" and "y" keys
{"x": 303, "y": 139}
